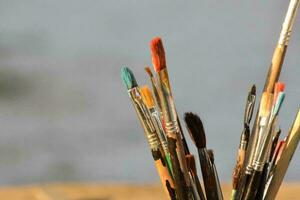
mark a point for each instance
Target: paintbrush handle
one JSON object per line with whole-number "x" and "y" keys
{"x": 253, "y": 184}
{"x": 162, "y": 169}
{"x": 238, "y": 168}
{"x": 199, "y": 188}
{"x": 284, "y": 160}
{"x": 181, "y": 189}
{"x": 171, "y": 121}
{"x": 193, "y": 171}
{"x": 209, "y": 179}
{"x": 279, "y": 53}
{"x": 263, "y": 182}
{"x": 275, "y": 67}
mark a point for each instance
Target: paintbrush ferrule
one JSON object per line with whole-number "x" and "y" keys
{"x": 288, "y": 23}
{"x": 249, "y": 109}
{"x": 244, "y": 139}
{"x": 159, "y": 129}
{"x": 144, "y": 117}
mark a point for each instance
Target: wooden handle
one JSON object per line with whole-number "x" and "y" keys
{"x": 285, "y": 158}
{"x": 275, "y": 68}
{"x": 166, "y": 180}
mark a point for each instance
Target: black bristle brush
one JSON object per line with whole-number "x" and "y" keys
{"x": 197, "y": 133}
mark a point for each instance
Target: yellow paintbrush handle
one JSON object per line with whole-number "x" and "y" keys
{"x": 285, "y": 158}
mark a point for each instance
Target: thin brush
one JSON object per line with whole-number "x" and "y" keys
{"x": 150, "y": 104}
{"x": 212, "y": 160}
{"x": 193, "y": 169}
{"x": 190, "y": 160}
{"x": 263, "y": 147}
{"x": 157, "y": 99}
{"x": 284, "y": 160}
{"x": 196, "y": 130}
{"x": 159, "y": 63}
{"x": 144, "y": 117}
{"x": 279, "y": 87}
{"x": 154, "y": 87}
{"x": 243, "y": 139}
{"x": 274, "y": 143}
{"x": 175, "y": 144}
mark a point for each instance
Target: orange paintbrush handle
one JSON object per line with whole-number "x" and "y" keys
{"x": 165, "y": 178}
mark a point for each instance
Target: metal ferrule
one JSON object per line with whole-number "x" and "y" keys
{"x": 244, "y": 139}
{"x": 159, "y": 129}
{"x": 261, "y": 156}
{"x": 249, "y": 169}
{"x": 243, "y": 144}
{"x": 168, "y": 107}
{"x": 144, "y": 117}
{"x": 288, "y": 23}
{"x": 262, "y": 129}
{"x": 249, "y": 109}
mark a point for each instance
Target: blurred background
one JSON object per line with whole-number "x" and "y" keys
{"x": 64, "y": 113}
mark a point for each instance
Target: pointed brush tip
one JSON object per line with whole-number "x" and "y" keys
{"x": 195, "y": 129}
{"x": 253, "y": 89}
{"x": 148, "y": 70}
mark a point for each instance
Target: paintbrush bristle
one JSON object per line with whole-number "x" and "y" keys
{"x": 147, "y": 96}
{"x": 211, "y": 156}
{"x": 253, "y": 90}
{"x": 158, "y": 54}
{"x": 279, "y": 87}
{"x": 128, "y": 78}
{"x": 279, "y": 101}
{"x": 265, "y": 104}
{"x": 148, "y": 70}
{"x": 196, "y": 129}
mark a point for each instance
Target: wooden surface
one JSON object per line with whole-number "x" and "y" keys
{"x": 111, "y": 192}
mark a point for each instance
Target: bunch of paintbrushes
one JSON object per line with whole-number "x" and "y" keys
{"x": 262, "y": 159}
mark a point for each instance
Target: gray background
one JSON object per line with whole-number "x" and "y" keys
{"x": 64, "y": 113}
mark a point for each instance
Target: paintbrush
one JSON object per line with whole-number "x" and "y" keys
{"x": 264, "y": 144}
{"x": 144, "y": 117}
{"x": 193, "y": 173}
{"x": 211, "y": 156}
{"x": 243, "y": 139}
{"x": 282, "y": 44}
{"x": 272, "y": 77}
{"x": 155, "y": 116}
{"x": 274, "y": 143}
{"x": 175, "y": 144}
{"x": 284, "y": 160}
{"x": 197, "y": 133}
{"x": 157, "y": 94}
{"x": 154, "y": 87}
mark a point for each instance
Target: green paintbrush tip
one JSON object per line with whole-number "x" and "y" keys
{"x": 128, "y": 78}
{"x": 279, "y": 101}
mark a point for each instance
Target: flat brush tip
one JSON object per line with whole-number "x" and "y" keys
{"x": 158, "y": 54}
{"x": 196, "y": 129}
{"x": 128, "y": 78}
{"x": 147, "y": 96}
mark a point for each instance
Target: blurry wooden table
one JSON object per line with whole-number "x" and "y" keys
{"x": 94, "y": 191}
